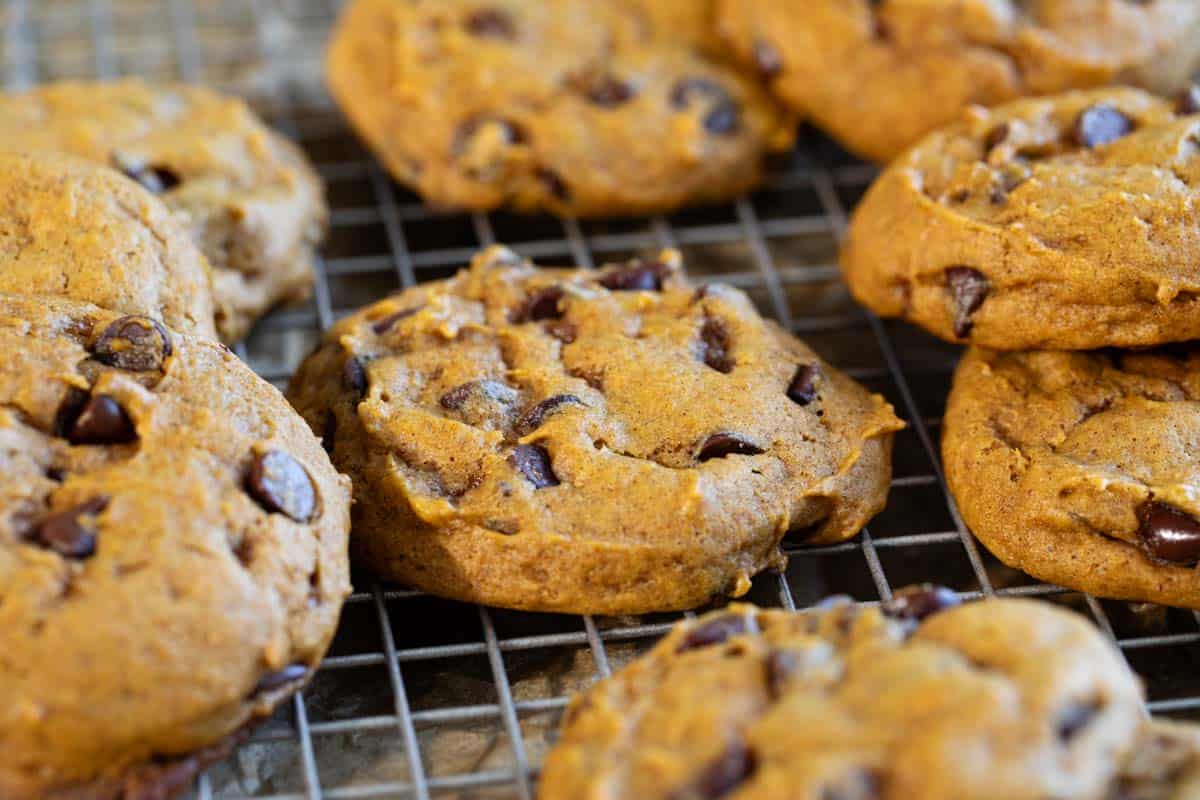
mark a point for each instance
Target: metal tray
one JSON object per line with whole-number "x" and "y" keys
{"x": 422, "y": 697}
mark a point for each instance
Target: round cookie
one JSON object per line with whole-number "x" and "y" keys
{"x": 1082, "y": 468}
{"x": 253, "y": 203}
{"x": 880, "y": 74}
{"x": 172, "y": 551}
{"x": 1059, "y": 223}
{"x": 69, "y": 227}
{"x": 1011, "y": 699}
{"x": 591, "y": 442}
{"x": 576, "y": 107}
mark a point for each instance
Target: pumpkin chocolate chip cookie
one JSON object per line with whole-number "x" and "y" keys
{"x": 578, "y": 107}
{"x": 880, "y": 74}
{"x": 253, "y": 204}
{"x": 588, "y": 441}
{"x": 1066, "y": 222}
{"x": 1011, "y": 699}
{"x": 172, "y": 551}
{"x": 1081, "y": 468}
{"x": 72, "y": 228}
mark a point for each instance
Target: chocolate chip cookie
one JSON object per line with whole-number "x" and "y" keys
{"x": 252, "y": 202}
{"x": 880, "y": 74}
{"x": 1011, "y": 699}
{"x": 172, "y": 551}
{"x": 588, "y": 441}
{"x": 576, "y": 107}
{"x": 73, "y": 228}
{"x": 1056, "y": 223}
{"x": 1080, "y": 468}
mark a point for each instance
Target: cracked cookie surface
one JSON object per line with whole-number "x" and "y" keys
{"x": 880, "y": 74}
{"x": 577, "y": 107}
{"x": 172, "y": 551}
{"x": 72, "y": 228}
{"x": 252, "y": 202}
{"x": 1057, "y": 223}
{"x": 589, "y": 441}
{"x": 1005, "y": 698}
{"x": 1081, "y": 468}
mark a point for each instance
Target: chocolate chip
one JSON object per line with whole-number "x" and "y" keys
{"x": 721, "y": 776}
{"x": 565, "y": 332}
{"x": 384, "y": 324}
{"x": 154, "y": 178}
{"x": 541, "y": 304}
{"x": 102, "y": 420}
{"x": 715, "y": 346}
{"x": 720, "y": 445}
{"x": 723, "y": 116}
{"x": 329, "y": 431}
{"x": 532, "y": 419}
{"x": 68, "y": 410}
{"x": 1169, "y": 534}
{"x": 802, "y": 389}
{"x": 478, "y": 393}
{"x": 717, "y": 630}
{"x": 607, "y": 91}
{"x": 915, "y": 603}
{"x": 280, "y": 678}
{"x": 1074, "y": 718}
{"x": 354, "y": 377}
{"x": 781, "y": 666}
{"x": 66, "y": 533}
{"x": 969, "y": 288}
{"x": 490, "y": 23}
{"x": 281, "y": 484}
{"x": 554, "y": 183}
{"x": 470, "y": 127}
{"x": 1100, "y": 124}
{"x": 996, "y": 136}
{"x": 1188, "y": 101}
{"x": 767, "y": 57}
{"x": 135, "y": 344}
{"x": 634, "y": 276}
{"x": 533, "y": 461}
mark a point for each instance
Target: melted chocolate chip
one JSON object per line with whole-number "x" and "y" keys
{"x": 915, "y": 603}
{"x": 533, "y": 461}
{"x": 565, "y": 332}
{"x": 541, "y": 304}
{"x": 716, "y": 631}
{"x": 1074, "y": 718}
{"x": 720, "y": 445}
{"x": 1099, "y": 125}
{"x": 281, "y": 484}
{"x": 491, "y": 23}
{"x": 474, "y": 395}
{"x": 532, "y": 419}
{"x": 280, "y": 678}
{"x": 1169, "y": 535}
{"x": 554, "y": 183}
{"x": 715, "y": 345}
{"x": 135, "y": 344}
{"x": 767, "y": 58}
{"x": 384, "y": 324}
{"x": 354, "y": 377}
{"x": 608, "y": 91}
{"x": 102, "y": 420}
{"x": 635, "y": 276}
{"x": 723, "y": 116}
{"x": 68, "y": 411}
{"x": 996, "y": 136}
{"x": 969, "y": 288}
{"x": 1188, "y": 101}
{"x": 155, "y": 178}
{"x": 66, "y": 532}
{"x": 802, "y": 389}
{"x": 721, "y": 776}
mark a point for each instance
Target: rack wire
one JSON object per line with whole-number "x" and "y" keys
{"x": 422, "y": 697}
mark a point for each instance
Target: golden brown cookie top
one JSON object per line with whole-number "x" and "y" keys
{"x": 880, "y": 75}
{"x": 1064, "y": 222}
{"x": 72, "y": 228}
{"x": 172, "y": 546}
{"x": 998, "y": 698}
{"x": 608, "y": 414}
{"x": 253, "y": 203}
{"x": 577, "y": 107}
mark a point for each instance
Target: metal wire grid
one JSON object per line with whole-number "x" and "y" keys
{"x": 426, "y": 698}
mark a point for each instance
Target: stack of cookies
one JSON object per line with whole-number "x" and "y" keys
{"x": 172, "y": 536}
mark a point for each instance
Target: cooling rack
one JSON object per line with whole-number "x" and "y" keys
{"x": 421, "y": 697}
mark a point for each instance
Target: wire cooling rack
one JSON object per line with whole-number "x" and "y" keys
{"x": 422, "y": 697}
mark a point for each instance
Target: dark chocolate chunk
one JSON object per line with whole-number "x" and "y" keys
{"x": 533, "y": 461}
{"x": 1101, "y": 124}
{"x": 281, "y": 484}
{"x": 69, "y": 533}
{"x": 915, "y": 603}
{"x": 802, "y": 389}
{"x": 532, "y": 419}
{"x": 133, "y": 343}
{"x": 608, "y": 91}
{"x": 717, "y": 630}
{"x": 155, "y": 178}
{"x": 384, "y": 324}
{"x": 541, "y": 304}
{"x": 1169, "y": 534}
{"x": 968, "y": 288}
{"x": 554, "y": 183}
{"x": 715, "y": 345}
{"x": 476, "y": 393}
{"x": 634, "y": 276}
{"x": 354, "y": 377}
{"x": 721, "y": 776}
{"x": 723, "y": 115}
{"x": 68, "y": 410}
{"x": 720, "y": 445}
{"x": 102, "y": 420}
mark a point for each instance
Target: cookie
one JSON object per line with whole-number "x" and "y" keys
{"x": 70, "y": 227}
{"x": 252, "y": 202}
{"x": 591, "y": 442}
{"x": 1079, "y": 468}
{"x": 172, "y": 551}
{"x": 575, "y": 107}
{"x": 880, "y": 74}
{"x": 1006, "y": 698}
{"x": 1055, "y": 223}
